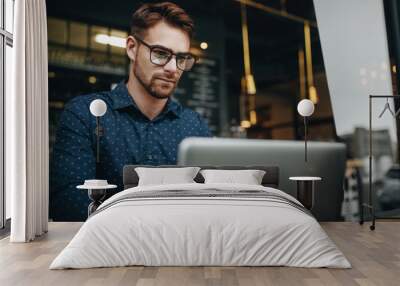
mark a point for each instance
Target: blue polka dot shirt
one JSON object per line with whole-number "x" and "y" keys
{"x": 129, "y": 137}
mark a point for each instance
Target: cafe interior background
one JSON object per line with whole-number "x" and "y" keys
{"x": 258, "y": 60}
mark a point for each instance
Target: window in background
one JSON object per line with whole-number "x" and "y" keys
{"x": 286, "y": 60}
{"x": 57, "y": 31}
{"x": 97, "y": 31}
{"x": 84, "y": 47}
{"x": 2, "y": 42}
{"x": 9, "y": 19}
{"x": 78, "y": 35}
{"x": 8, "y": 74}
{"x": 6, "y": 43}
{"x": 119, "y": 37}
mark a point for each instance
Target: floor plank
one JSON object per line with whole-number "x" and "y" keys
{"x": 374, "y": 255}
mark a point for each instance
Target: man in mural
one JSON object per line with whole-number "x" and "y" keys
{"x": 142, "y": 125}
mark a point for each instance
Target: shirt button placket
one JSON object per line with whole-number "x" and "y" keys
{"x": 149, "y": 145}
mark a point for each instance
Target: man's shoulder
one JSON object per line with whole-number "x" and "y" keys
{"x": 195, "y": 120}
{"x": 187, "y": 112}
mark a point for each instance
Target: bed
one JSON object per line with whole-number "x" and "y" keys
{"x": 201, "y": 224}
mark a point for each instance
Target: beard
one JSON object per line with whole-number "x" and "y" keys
{"x": 159, "y": 86}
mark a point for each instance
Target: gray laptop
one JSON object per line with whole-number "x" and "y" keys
{"x": 326, "y": 160}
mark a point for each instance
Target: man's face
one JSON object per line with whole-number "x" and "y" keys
{"x": 160, "y": 81}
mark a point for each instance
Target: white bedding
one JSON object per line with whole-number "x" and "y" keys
{"x": 184, "y": 231}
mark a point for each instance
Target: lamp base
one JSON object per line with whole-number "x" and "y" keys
{"x": 97, "y": 197}
{"x": 305, "y": 193}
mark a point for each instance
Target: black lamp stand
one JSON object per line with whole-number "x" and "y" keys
{"x": 99, "y": 132}
{"x": 305, "y": 138}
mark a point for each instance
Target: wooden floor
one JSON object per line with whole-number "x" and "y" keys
{"x": 375, "y": 257}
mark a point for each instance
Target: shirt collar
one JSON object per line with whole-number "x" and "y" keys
{"x": 122, "y": 99}
{"x": 173, "y": 107}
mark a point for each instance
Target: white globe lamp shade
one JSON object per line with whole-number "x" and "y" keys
{"x": 305, "y": 107}
{"x": 98, "y": 107}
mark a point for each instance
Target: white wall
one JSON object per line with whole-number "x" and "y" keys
{"x": 354, "y": 46}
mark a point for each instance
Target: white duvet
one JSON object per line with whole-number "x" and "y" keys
{"x": 200, "y": 231}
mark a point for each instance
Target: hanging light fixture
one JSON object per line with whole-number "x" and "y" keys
{"x": 302, "y": 74}
{"x": 312, "y": 91}
{"x": 248, "y": 83}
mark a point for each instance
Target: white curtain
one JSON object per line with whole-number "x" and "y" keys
{"x": 27, "y": 140}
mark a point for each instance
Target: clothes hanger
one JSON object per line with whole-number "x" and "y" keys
{"x": 397, "y": 113}
{"x": 387, "y": 106}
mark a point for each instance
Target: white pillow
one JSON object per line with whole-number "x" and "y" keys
{"x": 162, "y": 176}
{"x": 248, "y": 177}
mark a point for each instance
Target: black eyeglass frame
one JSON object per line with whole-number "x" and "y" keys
{"x": 171, "y": 54}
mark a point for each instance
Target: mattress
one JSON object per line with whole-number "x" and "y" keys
{"x": 201, "y": 225}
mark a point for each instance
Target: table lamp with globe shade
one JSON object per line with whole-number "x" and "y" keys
{"x": 305, "y": 108}
{"x": 98, "y": 108}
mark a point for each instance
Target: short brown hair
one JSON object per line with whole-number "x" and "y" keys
{"x": 150, "y": 14}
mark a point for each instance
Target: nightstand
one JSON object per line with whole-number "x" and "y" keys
{"x": 97, "y": 190}
{"x": 305, "y": 190}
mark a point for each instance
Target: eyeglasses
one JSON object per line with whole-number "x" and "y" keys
{"x": 160, "y": 56}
